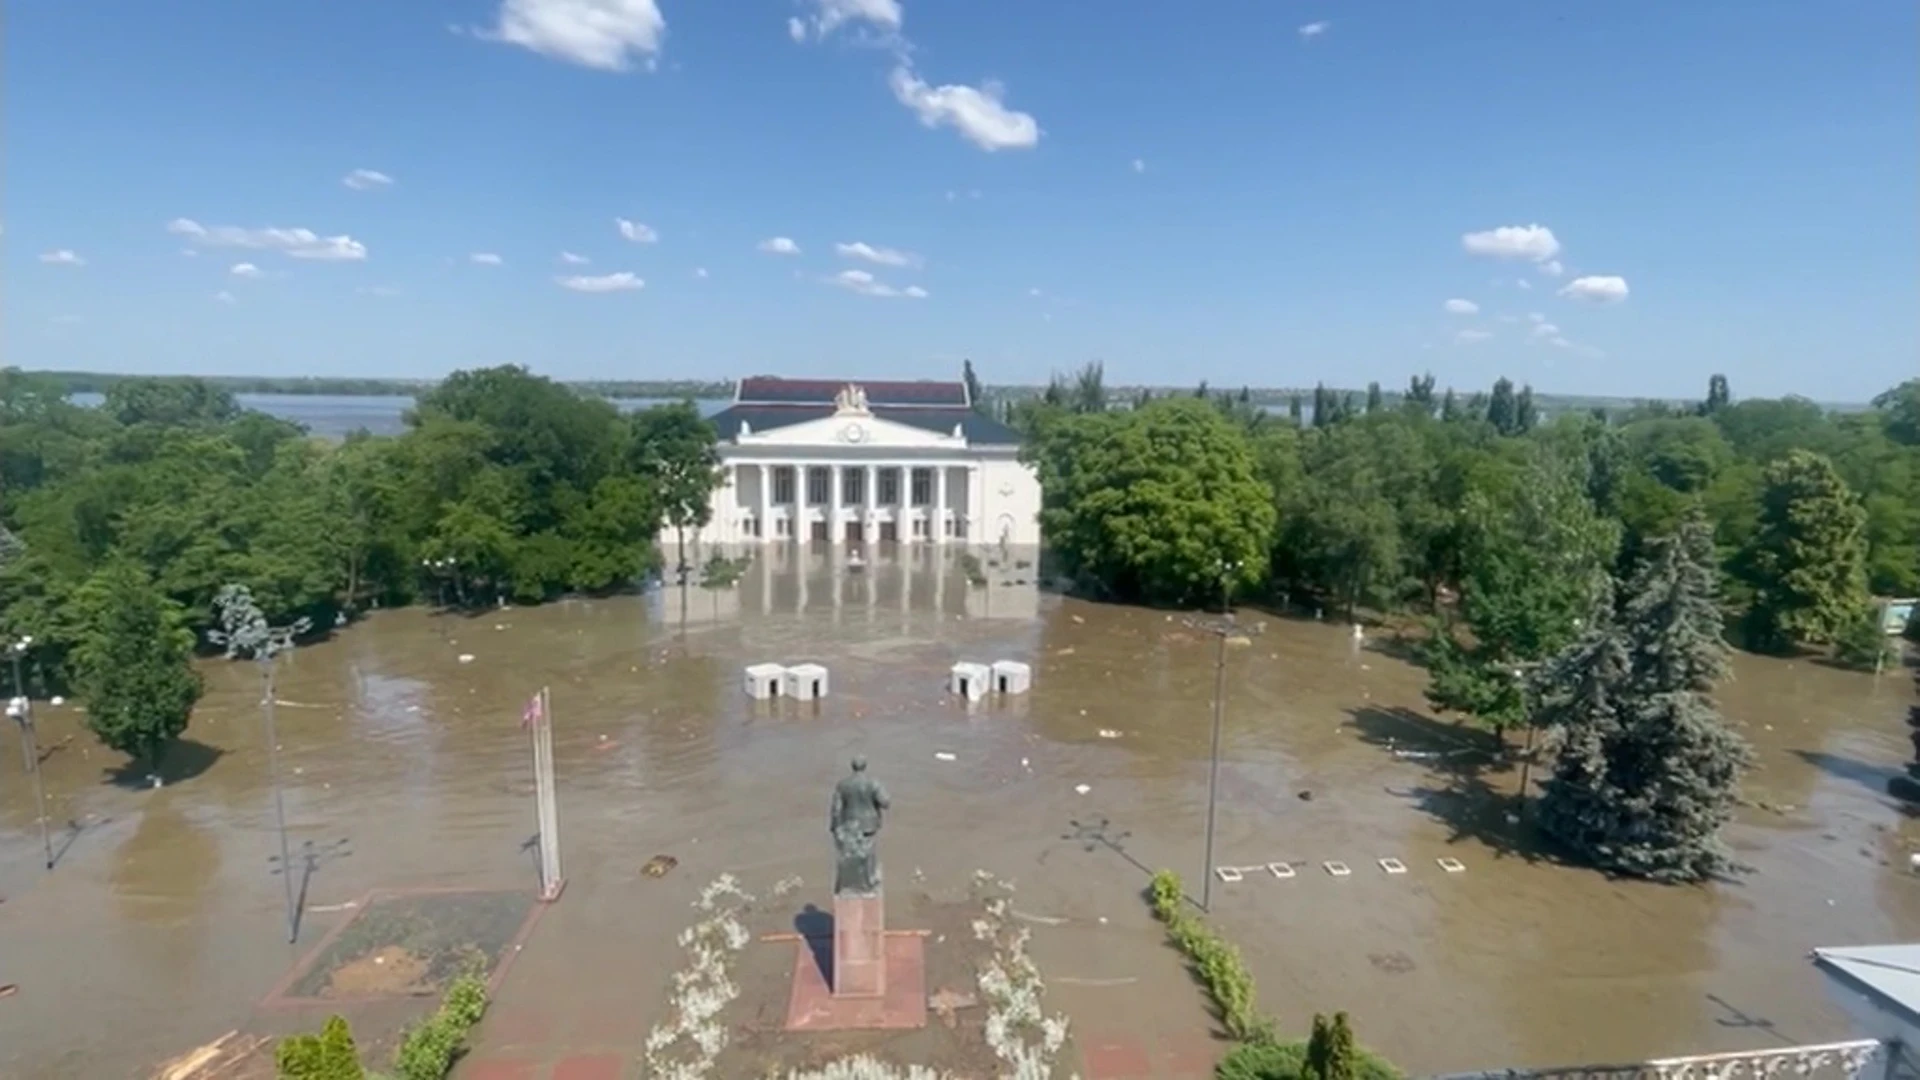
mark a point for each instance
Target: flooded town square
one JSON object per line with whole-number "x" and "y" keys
{"x": 404, "y": 765}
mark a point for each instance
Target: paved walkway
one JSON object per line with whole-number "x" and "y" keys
{"x": 1132, "y": 1055}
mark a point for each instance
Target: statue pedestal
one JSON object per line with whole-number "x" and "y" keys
{"x": 864, "y": 978}
{"x": 859, "y": 947}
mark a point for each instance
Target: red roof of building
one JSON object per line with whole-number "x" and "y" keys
{"x": 926, "y": 393}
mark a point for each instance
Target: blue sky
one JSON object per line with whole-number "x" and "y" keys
{"x": 1629, "y": 196}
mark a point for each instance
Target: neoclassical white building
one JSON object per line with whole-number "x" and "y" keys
{"x": 828, "y": 462}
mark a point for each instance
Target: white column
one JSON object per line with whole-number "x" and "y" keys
{"x": 976, "y": 502}
{"x": 766, "y": 502}
{"x": 871, "y": 530}
{"x": 728, "y": 519}
{"x": 939, "y": 526}
{"x": 799, "y": 508}
{"x": 835, "y": 531}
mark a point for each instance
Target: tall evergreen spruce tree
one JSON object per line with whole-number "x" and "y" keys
{"x": 1648, "y": 772}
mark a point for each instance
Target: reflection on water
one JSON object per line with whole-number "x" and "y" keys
{"x": 396, "y": 752}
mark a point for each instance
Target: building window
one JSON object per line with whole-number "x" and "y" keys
{"x": 919, "y": 526}
{"x": 853, "y": 485}
{"x": 783, "y": 527}
{"x": 783, "y": 484}
{"x": 922, "y": 487}
{"x": 817, "y": 480}
{"x": 889, "y": 487}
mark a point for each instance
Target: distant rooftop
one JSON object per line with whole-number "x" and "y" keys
{"x": 923, "y": 394}
{"x": 1888, "y": 972}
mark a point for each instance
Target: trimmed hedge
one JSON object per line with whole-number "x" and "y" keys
{"x": 1214, "y": 960}
{"x": 330, "y": 1055}
{"x": 1288, "y": 1061}
{"x": 430, "y": 1049}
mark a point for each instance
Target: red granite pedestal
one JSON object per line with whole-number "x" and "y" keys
{"x": 878, "y": 979}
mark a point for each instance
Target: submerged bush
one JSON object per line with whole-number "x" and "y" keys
{"x": 1268, "y": 1060}
{"x": 430, "y": 1049}
{"x": 1214, "y": 960}
{"x": 330, "y": 1055}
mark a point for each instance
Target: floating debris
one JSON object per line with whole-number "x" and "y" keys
{"x": 659, "y": 865}
{"x": 1109, "y": 733}
{"x": 942, "y": 755}
{"x": 466, "y": 658}
{"x": 1083, "y": 789}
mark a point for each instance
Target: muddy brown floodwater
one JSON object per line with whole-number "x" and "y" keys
{"x": 161, "y": 926}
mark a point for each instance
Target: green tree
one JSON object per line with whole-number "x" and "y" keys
{"x": 1374, "y": 398}
{"x": 1535, "y": 553}
{"x": 1647, "y": 772}
{"x": 1900, "y": 412}
{"x": 676, "y": 448}
{"x": 329, "y": 1055}
{"x": 1153, "y": 503}
{"x": 133, "y": 662}
{"x": 1718, "y": 396}
{"x": 1503, "y": 411}
{"x": 976, "y": 394}
{"x": 1296, "y": 409}
{"x": 1808, "y": 559}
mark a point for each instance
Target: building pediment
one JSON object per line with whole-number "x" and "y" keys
{"x": 851, "y": 430}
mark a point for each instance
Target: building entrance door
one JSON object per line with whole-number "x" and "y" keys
{"x": 856, "y": 532}
{"x": 889, "y": 533}
{"x": 817, "y": 530}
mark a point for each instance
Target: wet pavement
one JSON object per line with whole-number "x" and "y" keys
{"x": 162, "y": 926}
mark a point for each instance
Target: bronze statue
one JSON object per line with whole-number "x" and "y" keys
{"x": 859, "y": 803}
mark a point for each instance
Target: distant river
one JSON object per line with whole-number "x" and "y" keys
{"x": 335, "y": 416}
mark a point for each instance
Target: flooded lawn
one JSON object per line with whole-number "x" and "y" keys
{"x": 163, "y": 925}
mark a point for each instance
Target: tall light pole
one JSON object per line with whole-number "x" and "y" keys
{"x": 1222, "y": 629}
{"x": 20, "y": 710}
{"x": 244, "y": 632}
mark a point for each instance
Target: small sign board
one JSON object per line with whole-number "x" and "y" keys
{"x": 1896, "y": 615}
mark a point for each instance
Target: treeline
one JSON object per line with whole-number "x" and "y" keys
{"x": 87, "y": 382}
{"x": 1477, "y": 508}
{"x": 1579, "y": 575}
{"x": 504, "y": 486}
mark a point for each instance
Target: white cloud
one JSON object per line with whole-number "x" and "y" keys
{"x": 295, "y": 243}
{"x": 571, "y": 259}
{"x": 1315, "y": 29}
{"x": 1552, "y": 268}
{"x": 700, "y": 272}
{"x": 485, "y": 258}
{"x": 246, "y": 270}
{"x": 617, "y": 282}
{"x": 1469, "y": 337}
{"x": 1462, "y": 307}
{"x": 1596, "y": 289}
{"x": 1525, "y": 285}
{"x": 378, "y": 290}
{"x": 878, "y": 255}
{"x": 1545, "y": 330}
{"x": 977, "y": 113}
{"x": 62, "y": 257}
{"x": 779, "y": 245}
{"x": 366, "y": 179}
{"x": 608, "y": 35}
{"x": 1587, "y": 351}
{"x": 637, "y": 232}
{"x": 1533, "y": 243}
{"x": 1536, "y": 317}
{"x": 1139, "y": 165}
{"x": 866, "y": 284}
{"x": 224, "y": 296}
{"x": 829, "y": 15}
{"x": 1034, "y": 292}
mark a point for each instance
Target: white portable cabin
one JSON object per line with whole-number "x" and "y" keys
{"x": 970, "y": 680}
{"x": 1012, "y": 677}
{"x": 763, "y": 680}
{"x": 806, "y": 682}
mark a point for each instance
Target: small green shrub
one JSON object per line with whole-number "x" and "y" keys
{"x": 1863, "y": 644}
{"x": 1269, "y": 1060}
{"x": 1215, "y": 960}
{"x": 430, "y": 1049}
{"x": 330, "y": 1055}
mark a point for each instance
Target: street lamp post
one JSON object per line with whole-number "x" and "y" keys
{"x": 1526, "y": 753}
{"x": 20, "y": 710}
{"x": 245, "y": 632}
{"x": 1222, "y": 629}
